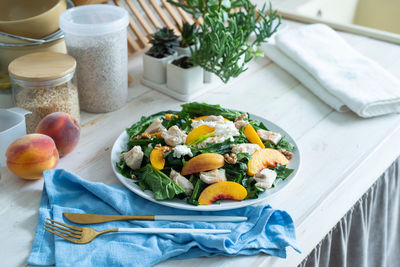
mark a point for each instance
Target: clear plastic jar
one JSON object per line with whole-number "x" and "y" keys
{"x": 95, "y": 36}
{"x": 42, "y": 84}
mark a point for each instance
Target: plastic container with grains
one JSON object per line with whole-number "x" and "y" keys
{"x": 95, "y": 36}
{"x": 42, "y": 83}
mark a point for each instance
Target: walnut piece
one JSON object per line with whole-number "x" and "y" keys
{"x": 241, "y": 123}
{"x": 241, "y": 117}
{"x": 289, "y": 155}
{"x": 142, "y": 136}
{"x": 158, "y": 146}
{"x": 230, "y": 158}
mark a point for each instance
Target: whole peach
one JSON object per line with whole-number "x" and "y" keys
{"x": 30, "y": 155}
{"x": 64, "y": 130}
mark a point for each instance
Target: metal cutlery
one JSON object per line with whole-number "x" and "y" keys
{"x": 84, "y": 235}
{"x": 84, "y": 218}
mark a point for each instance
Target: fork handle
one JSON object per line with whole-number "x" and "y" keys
{"x": 98, "y": 218}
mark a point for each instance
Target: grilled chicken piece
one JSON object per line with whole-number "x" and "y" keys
{"x": 181, "y": 181}
{"x": 213, "y": 176}
{"x": 174, "y": 136}
{"x": 156, "y": 126}
{"x": 133, "y": 158}
{"x": 265, "y": 178}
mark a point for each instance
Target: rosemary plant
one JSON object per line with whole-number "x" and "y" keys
{"x": 224, "y": 45}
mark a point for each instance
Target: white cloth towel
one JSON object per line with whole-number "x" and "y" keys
{"x": 339, "y": 75}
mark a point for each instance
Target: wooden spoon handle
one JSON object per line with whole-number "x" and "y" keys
{"x": 84, "y": 218}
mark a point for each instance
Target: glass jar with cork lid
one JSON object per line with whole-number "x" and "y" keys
{"x": 42, "y": 84}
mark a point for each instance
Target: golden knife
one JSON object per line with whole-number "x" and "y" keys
{"x": 84, "y": 218}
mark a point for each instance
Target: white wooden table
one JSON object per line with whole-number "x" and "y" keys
{"x": 342, "y": 154}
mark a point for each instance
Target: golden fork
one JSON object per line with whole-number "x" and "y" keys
{"x": 84, "y": 235}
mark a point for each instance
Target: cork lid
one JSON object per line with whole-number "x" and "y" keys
{"x": 42, "y": 66}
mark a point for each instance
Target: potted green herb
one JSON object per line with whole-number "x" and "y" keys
{"x": 163, "y": 50}
{"x": 183, "y": 76}
{"x": 188, "y": 37}
{"x": 223, "y": 44}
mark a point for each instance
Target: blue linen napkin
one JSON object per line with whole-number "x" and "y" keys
{"x": 267, "y": 230}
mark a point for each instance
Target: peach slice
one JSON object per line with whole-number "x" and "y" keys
{"x": 30, "y": 155}
{"x": 158, "y": 134}
{"x": 168, "y": 116}
{"x": 252, "y": 135}
{"x": 264, "y": 158}
{"x": 203, "y": 162}
{"x": 199, "y": 131}
{"x": 203, "y": 117}
{"x": 156, "y": 157}
{"x": 222, "y": 190}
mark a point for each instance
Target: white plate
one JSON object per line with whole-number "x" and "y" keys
{"x": 121, "y": 145}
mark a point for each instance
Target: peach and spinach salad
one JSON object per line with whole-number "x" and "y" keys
{"x": 203, "y": 154}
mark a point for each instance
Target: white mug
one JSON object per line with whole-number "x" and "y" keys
{"x": 12, "y": 126}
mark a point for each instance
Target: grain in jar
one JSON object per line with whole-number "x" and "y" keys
{"x": 42, "y": 84}
{"x": 95, "y": 36}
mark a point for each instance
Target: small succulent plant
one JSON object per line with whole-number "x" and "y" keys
{"x": 164, "y": 43}
{"x": 188, "y": 34}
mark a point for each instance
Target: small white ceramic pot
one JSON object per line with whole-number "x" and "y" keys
{"x": 184, "y": 51}
{"x": 154, "y": 69}
{"x": 184, "y": 81}
{"x": 209, "y": 77}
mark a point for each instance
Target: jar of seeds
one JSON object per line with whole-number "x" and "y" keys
{"x": 96, "y": 36}
{"x": 42, "y": 84}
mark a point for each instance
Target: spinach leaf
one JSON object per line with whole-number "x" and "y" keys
{"x": 252, "y": 190}
{"x": 199, "y": 186}
{"x": 158, "y": 182}
{"x": 183, "y": 121}
{"x": 145, "y": 142}
{"x": 259, "y": 126}
{"x": 243, "y": 157}
{"x": 140, "y": 126}
{"x": 284, "y": 144}
{"x": 124, "y": 169}
{"x": 200, "y": 109}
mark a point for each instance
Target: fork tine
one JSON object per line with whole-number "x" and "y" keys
{"x": 60, "y": 235}
{"x": 62, "y": 230}
{"x": 66, "y": 225}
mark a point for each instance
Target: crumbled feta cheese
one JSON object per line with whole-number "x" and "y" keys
{"x": 133, "y": 158}
{"x": 223, "y": 129}
{"x": 265, "y": 178}
{"x": 213, "y": 176}
{"x": 181, "y": 150}
{"x": 269, "y": 136}
{"x": 245, "y": 148}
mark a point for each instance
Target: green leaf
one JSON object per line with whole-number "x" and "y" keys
{"x": 201, "y": 109}
{"x": 201, "y": 138}
{"x": 282, "y": 171}
{"x": 243, "y": 157}
{"x": 199, "y": 186}
{"x": 284, "y": 144}
{"x": 161, "y": 185}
